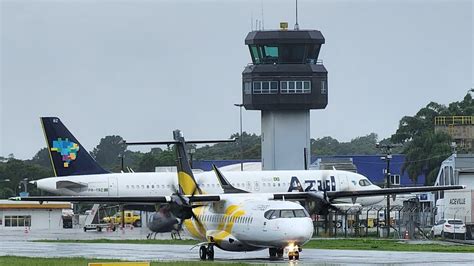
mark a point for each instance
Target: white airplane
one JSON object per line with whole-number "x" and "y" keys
{"x": 235, "y": 220}
{"x": 77, "y": 173}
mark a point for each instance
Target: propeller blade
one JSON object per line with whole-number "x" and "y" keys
{"x": 197, "y": 219}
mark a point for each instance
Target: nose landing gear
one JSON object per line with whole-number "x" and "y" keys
{"x": 206, "y": 252}
{"x": 293, "y": 255}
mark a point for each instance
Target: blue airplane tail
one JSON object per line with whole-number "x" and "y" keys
{"x": 68, "y": 157}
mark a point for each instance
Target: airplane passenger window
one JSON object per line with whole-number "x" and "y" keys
{"x": 127, "y": 186}
{"x": 147, "y": 186}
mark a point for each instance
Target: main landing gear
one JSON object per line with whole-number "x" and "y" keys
{"x": 207, "y": 252}
{"x": 275, "y": 253}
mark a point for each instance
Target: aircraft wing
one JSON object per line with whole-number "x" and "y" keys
{"x": 358, "y": 193}
{"x": 117, "y": 199}
{"x": 388, "y": 191}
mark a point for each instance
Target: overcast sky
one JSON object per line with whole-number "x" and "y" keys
{"x": 140, "y": 69}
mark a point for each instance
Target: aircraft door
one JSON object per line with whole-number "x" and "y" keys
{"x": 256, "y": 186}
{"x": 113, "y": 186}
{"x": 249, "y": 186}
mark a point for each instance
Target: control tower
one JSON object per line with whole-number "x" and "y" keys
{"x": 285, "y": 81}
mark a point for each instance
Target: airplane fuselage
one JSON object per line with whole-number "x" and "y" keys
{"x": 164, "y": 184}
{"x": 243, "y": 223}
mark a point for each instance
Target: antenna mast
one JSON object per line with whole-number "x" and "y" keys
{"x": 297, "y": 27}
{"x": 263, "y": 21}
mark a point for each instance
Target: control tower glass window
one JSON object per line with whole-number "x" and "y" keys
{"x": 285, "y": 53}
{"x": 292, "y": 54}
{"x": 264, "y": 54}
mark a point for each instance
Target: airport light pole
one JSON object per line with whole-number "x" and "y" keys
{"x": 387, "y": 149}
{"x": 240, "y": 105}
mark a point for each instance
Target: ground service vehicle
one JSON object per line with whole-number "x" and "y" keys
{"x": 131, "y": 217}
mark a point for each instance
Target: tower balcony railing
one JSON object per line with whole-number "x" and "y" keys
{"x": 309, "y": 61}
{"x": 455, "y": 120}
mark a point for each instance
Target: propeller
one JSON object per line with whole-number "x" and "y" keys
{"x": 322, "y": 202}
{"x": 181, "y": 206}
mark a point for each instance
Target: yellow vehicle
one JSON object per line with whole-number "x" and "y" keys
{"x": 130, "y": 218}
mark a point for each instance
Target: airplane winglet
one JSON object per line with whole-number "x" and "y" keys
{"x": 225, "y": 184}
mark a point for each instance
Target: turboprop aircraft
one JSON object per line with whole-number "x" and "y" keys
{"x": 237, "y": 220}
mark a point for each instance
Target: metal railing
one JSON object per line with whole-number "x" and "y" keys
{"x": 454, "y": 120}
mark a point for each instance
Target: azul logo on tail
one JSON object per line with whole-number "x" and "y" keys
{"x": 67, "y": 149}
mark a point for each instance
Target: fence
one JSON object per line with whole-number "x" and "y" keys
{"x": 408, "y": 221}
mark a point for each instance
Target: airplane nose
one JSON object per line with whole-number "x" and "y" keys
{"x": 298, "y": 231}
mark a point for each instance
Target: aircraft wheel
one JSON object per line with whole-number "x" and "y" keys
{"x": 279, "y": 253}
{"x": 99, "y": 229}
{"x": 297, "y": 255}
{"x": 210, "y": 252}
{"x": 202, "y": 252}
{"x": 272, "y": 252}
{"x": 290, "y": 257}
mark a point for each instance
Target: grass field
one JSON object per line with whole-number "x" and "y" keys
{"x": 25, "y": 261}
{"x": 352, "y": 244}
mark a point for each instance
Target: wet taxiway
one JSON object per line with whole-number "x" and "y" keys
{"x": 20, "y": 244}
{"x": 151, "y": 252}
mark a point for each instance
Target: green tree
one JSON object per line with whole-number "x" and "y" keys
{"x": 231, "y": 151}
{"x": 109, "y": 152}
{"x": 16, "y": 170}
{"x": 424, "y": 149}
{"x": 42, "y": 158}
{"x": 156, "y": 157}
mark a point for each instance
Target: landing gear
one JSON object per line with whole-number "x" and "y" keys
{"x": 272, "y": 252}
{"x": 276, "y": 253}
{"x": 294, "y": 255}
{"x": 203, "y": 252}
{"x": 206, "y": 252}
{"x": 279, "y": 253}
{"x": 210, "y": 252}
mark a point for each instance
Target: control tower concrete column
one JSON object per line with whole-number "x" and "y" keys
{"x": 285, "y": 81}
{"x": 285, "y": 137}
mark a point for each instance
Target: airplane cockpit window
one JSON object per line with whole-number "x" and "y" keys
{"x": 364, "y": 183}
{"x": 274, "y": 214}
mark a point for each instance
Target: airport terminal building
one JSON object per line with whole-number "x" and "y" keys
{"x": 21, "y": 215}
